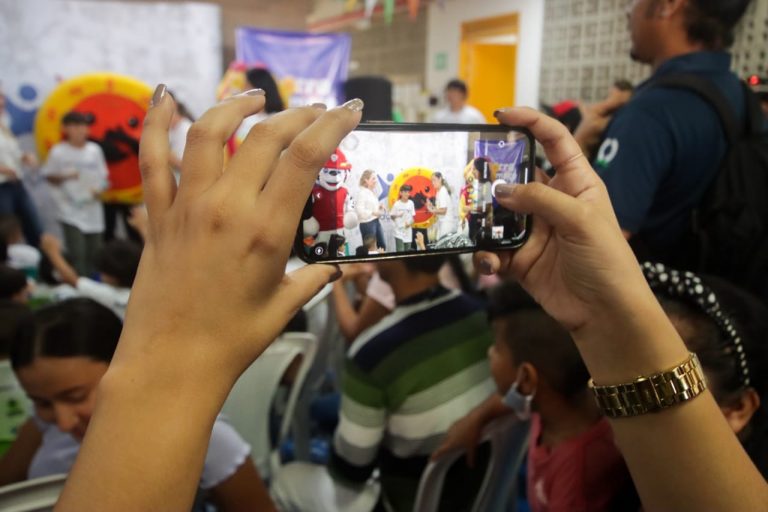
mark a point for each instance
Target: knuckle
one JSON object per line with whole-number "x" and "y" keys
{"x": 265, "y": 242}
{"x": 265, "y": 130}
{"x": 146, "y": 168}
{"x": 308, "y": 153}
{"x": 202, "y": 132}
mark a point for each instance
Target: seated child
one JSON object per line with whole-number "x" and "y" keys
{"x": 59, "y": 355}
{"x": 117, "y": 263}
{"x": 573, "y": 463}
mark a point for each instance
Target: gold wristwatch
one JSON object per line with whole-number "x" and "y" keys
{"x": 652, "y": 393}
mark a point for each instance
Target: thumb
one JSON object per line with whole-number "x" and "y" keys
{"x": 301, "y": 285}
{"x": 563, "y": 212}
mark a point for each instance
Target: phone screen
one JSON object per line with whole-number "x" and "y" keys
{"x": 399, "y": 190}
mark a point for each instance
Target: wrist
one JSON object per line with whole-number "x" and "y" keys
{"x": 633, "y": 338}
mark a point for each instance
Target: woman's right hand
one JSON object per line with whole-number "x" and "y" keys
{"x": 576, "y": 264}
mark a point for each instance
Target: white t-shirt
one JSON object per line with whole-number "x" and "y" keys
{"x": 75, "y": 198}
{"x": 110, "y": 296}
{"x": 226, "y": 453}
{"x": 467, "y": 115}
{"x": 248, "y": 123}
{"x": 10, "y": 152}
{"x": 366, "y": 205}
{"x": 446, "y": 223}
{"x": 23, "y": 256}
{"x": 403, "y": 213}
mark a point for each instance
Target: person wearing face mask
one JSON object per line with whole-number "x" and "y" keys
{"x": 573, "y": 463}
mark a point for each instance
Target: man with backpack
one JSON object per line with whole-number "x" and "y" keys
{"x": 662, "y": 153}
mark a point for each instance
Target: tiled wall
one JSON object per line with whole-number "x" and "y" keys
{"x": 397, "y": 51}
{"x": 586, "y": 48}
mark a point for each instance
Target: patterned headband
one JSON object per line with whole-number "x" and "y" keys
{"x": 688, "y": 286}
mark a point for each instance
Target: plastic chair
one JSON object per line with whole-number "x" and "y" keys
{"x": 508, "y": 438}
{"x": 248, "y": 405}
{"x": 38, "y": 495}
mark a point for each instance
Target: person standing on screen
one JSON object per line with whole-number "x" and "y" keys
{"x": 457, "y": 111}
{"x": 441, "y": 207}
{"x": 369, "y": 209}
{"x": 403, "y": 212}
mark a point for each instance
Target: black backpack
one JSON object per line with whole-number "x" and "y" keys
{"x": 728, "y": 234}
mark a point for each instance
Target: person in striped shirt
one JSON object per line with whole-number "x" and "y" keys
{"x": 406, "y": 381}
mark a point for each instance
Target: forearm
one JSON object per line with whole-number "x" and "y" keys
{"x": 149, "y": 431}
{"x": 491, "y": 409}
{"x": 346, "y": 315}
{"x": 694, "y": 435}
{"x": 66, "y": 272}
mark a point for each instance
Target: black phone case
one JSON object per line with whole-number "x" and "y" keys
{"x": 387, "y": 126}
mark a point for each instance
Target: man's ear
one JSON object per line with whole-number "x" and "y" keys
{"x": 740, "y": 412}
{"x": 527, "y": 378}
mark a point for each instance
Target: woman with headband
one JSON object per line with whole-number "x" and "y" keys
{"x": 194, "y": 324}
{"x": 727, "y": 329}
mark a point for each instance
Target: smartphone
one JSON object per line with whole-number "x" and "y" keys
{"x": 400, "y": 190}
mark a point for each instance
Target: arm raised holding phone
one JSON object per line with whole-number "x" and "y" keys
{"x": 211, "y": 295}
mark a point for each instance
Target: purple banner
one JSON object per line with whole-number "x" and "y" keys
{"x": 309, "y": 67}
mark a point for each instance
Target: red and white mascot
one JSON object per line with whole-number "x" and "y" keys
{"x": 332, "y": 208}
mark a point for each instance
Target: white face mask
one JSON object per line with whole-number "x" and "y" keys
{"x": 519, "y": 403}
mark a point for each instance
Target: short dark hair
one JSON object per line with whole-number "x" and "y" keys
{"x": 72, "y": 328}
{"x": 425, "y": 264}
{"x": 457, "y": 84}
{"x": 261, "y": 78}
{"x": 12, "y": 316}
{"x": 120, "y": 260}
{"x": 535, "y": 337}
{"x": 712, "y": 22}
{"x": 624, "y": 85}
{"x": 406, "y": 188}
{"x": 73, "y": 117}
{"x": 12, "y": 281}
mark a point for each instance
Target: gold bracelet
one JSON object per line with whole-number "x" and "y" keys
{"x": 652, "y": 393}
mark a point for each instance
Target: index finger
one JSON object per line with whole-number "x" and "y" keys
{"x": 560, "y": 147}
{"x": 290, "y": 184}
{"x": 156, "y": 177}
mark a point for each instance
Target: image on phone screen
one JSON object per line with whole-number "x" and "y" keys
{"x": 394, "y": 190}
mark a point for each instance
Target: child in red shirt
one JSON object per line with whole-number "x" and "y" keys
{"x": 573, "y": 464}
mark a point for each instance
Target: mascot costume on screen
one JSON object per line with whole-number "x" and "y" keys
{"x": 331, "y": 209}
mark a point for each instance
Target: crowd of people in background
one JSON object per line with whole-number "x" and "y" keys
{"x": 434, "y": 352}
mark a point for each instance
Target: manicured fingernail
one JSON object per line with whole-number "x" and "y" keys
{"x": 355, "y": 105}
{"x": 158, "y": 95}
{"x": 499, "y": 111}
{"x": 319, "y": 105}
{"x": 504, "y": 190}
{"x": 336, "y": 275}
{"x": 253, "y": 92}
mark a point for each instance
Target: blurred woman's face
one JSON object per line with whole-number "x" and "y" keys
{"x": 436, "y": 182}
{"x": 63, "y": 390}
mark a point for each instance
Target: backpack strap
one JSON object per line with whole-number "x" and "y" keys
{"x": 755, "y": 118}
{"x": 709, "y": 93}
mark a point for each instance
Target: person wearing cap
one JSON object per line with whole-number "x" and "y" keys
{"x": 77, "y": 171}
{"x": 403, "y": 213}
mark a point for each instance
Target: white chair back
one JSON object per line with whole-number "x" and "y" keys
{"x": 38, "y": 495}
{"x": 248, "y": 405}
{"x": 508, "y": 438}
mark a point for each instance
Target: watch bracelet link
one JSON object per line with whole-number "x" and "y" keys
{"x": 652, "y": 393}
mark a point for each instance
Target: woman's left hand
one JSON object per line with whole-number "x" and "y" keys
{"x": 221, "y": 241}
